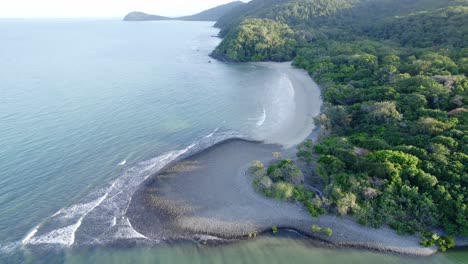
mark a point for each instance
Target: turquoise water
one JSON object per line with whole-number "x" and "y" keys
{"x": 90, "y": 108}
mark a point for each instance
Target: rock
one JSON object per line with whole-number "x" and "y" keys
{"x": 457, "y": 111}
{"x": 266, "y": 182}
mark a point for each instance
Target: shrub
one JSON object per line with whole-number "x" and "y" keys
{"x": 314, "y": 210}
{"x": 256, "y": 165}
{"x": 274, "y": 230}
{"x": 301, "y": 194}
{"x": 316, "y": 229}
{"x": 282, "y": 191}
{"x": 445, "y": 242}
{"x": 277, "y": 155}
{"x": 306, "y": 151}
{"x": 257, "y": 169}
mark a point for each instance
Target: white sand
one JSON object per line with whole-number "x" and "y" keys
{"x": 308, "y": 104}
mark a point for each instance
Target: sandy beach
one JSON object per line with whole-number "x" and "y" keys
{"x": 307, "y": 105}
{"x": 211, "y": 193}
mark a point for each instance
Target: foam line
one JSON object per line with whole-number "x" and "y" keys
{"x": 66, "y": 235}
{"x": 107, "y": 212}
{"x": 262, "y": 118}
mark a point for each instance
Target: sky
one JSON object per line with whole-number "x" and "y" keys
{"x": 102, "y": 8}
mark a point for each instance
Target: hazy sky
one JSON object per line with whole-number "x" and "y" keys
{"x": 102, "y": 8}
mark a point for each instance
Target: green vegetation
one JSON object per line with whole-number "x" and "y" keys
{"x": 283, "y": 181}
{"x": 397, "y": 152}
{"x": 257, "y": 40}
{"x": 429, "y": 239}
{"x": 449, "y": 23}
{"x": 274, "y": 230}
{"x": 395, "y": 145}
{"x": 252, "y": 234}
{"x": 317, "y": 229}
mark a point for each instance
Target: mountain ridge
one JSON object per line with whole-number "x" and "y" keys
{"x": 212, "y": 14}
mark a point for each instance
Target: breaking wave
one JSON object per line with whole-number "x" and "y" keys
{"x": 101, "y": 217}
{"x": 262, "y": 118}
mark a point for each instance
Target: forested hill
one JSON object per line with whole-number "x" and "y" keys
{"x": 211, "y": 14}
{"x": 356, "y": 15}
{"x": 395, "y": 123}
{"x": 291, "y": 12}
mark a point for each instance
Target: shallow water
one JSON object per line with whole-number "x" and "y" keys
{"x": 90, "y": 108}
{"x": 283, "y": 248}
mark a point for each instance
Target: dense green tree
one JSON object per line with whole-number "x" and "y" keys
{"x": 393, "y": 75}
{"x": 256, "y": 40}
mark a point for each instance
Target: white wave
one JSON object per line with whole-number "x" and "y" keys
{"x": 30, "y": 235}
{"x": 61, "y": 236}
{"x": 212, "y": 134}
{"x": 207, "y": 238}
{"x": 76, "y": 210}
{"x": 106, "y": 214}
{"x": 262, "y": 118}
{"x": 123, "y": 162}
{"x": 65, "y": 235}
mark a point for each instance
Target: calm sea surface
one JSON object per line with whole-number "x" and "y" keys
{"x": 90, "y": 108}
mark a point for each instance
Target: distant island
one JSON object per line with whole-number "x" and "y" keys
{"x": 212, "y": 14}
{"x": 140, "y": 16}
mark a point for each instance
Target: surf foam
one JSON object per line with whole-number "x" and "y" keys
{"x": 102, "y": 217}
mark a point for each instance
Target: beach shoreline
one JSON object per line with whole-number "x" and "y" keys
{"x": 307, "y": 104}
{"x": 211, "y": 194}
